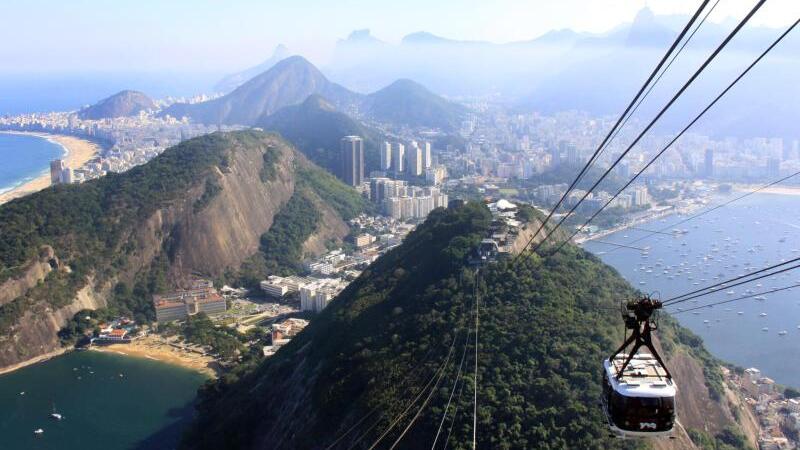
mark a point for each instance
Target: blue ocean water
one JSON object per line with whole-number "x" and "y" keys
{"x": 24, "y": 157}
{"x": 755, "y": 232}
{"x": 48, "y": 92}
{"x": 108, "y": 401}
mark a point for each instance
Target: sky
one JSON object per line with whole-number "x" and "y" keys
{"x": 55, "y": 36}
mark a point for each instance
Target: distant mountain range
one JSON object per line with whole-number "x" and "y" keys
{"x": 121, "y": 104}
{"x": 288, "y": 82}
{"x": 232, "y": 81}
{"x": 294, "y": 79}
{"x": 564, "y": 70}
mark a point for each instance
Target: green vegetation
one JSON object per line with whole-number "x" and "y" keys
{"x": 282, "y": 246}
{"x": 268, "y": 170}
{"x": 211, "y": 190}
{"x": 89, "y": 225}
{"x": 342, "y": 198}
{"x": 543, "y": 332}
{"x": 315, "y": 128}
{"x": 84, "y": 322}
{"x": 281, "y": 249}
{"x": 727, "y": 439}
{"x": 225, "y": 342}
{"x": 790, "y": 392}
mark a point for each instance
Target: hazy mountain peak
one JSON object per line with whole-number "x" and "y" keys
{"x": 121, "y": 104}
{"x": 645, "y": 16}
{"x": 289, "y": 82}
{"x": 363, "y": 36}
{"x": 423, "y": 37}
{"x": 231, "y": 82}
{"x": 646, "y": 30}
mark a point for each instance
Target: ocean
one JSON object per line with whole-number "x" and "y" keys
{"x": 23, "y": 158}
{"x": 757, "y": 231}
{"x": 107, "y": 401}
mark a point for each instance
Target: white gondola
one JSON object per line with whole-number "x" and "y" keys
{"x": 641, "y": 403}
{"x": 638, "y": 390}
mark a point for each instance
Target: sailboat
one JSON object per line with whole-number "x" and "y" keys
{"x": 55, "y": 415}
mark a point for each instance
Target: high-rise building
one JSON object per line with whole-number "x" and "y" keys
{"x": 57, "y": 166}
{"x": 708, "y": 168}
{"x": 640, "y": 196}
{"x": 398, "y": 157}
{"x": 352, "y": 160}
{"x": 573, "y": 157}
{"x": 773, "y": 167}
{"x": 414, "y": 160}
{"x": 426, "y": 154}
{"x": 386, "y": 155}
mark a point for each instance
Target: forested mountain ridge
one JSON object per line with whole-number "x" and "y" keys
{"x": 404, "y": 326}
{"x": 205, "y": 206}
{"x": 315, "y": 127}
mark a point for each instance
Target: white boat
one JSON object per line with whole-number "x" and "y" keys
{"x": 55, "y": 415}
{"x": 740, "y": 313}
{"x": 763, "y": 314}
{"x": 38, "y": 431}
{"x": 782, "y": 333}
{"x": 765, "y": 329}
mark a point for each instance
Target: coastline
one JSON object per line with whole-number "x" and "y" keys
{"x": 775, "y": 190}
{"x": 35, "y": 360}
{"x": 153, "y": 348}
{"x": 77, "y": 152}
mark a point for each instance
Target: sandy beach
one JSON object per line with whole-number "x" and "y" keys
{"x": 78, "y": 153}
{"x": 777, "y": 190}
{"x": 155, "y": 348}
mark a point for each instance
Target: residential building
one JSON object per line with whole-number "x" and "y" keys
{"x": 398, "y": 157}
{"x": 352, "y": 160}
{"x": 386, "y": 156}
{"x": 315, "y": 296}
{"x": 178, "y": 305}
{"x": 56, "y": 167}
{"x": 414, "y": 162}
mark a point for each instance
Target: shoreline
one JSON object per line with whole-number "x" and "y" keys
{"x": 774, "y": 190}
{"x": 77, "y": 152}
{"x": 35, "y": 360}
{"x": 154, "y": 349}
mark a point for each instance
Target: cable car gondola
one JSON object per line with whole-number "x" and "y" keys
{"x": 638, "y": 390}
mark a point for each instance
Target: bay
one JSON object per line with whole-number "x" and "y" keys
{"x": 24, "y": 157}
{"x": 108, "y": 402}
{"x": 749, "y": 234}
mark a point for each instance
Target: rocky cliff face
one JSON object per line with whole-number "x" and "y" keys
{"x": 213, "y": 225}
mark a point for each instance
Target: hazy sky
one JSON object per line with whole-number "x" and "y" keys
{"x": 207, "y": 35}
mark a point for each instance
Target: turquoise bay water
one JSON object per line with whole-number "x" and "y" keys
{"x": 755, "y": 232}
{"x": 23, "y": 158}
{"x": 145, "y": 408}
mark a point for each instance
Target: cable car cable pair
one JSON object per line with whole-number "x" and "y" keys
{"x": 613, "y": 129}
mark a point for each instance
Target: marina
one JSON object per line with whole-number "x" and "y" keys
{"x": 721, "y": 245}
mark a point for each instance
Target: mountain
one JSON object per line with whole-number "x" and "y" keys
{"x": 288, "y": 82}
{"x": 221, "y": 205}
{"x": 399, "y": 332}
{"x": 316, "y": 127}
{"x": 406, "y": 102}
{"x": 231, "y": 82}
{"x": 121, "y": 104}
